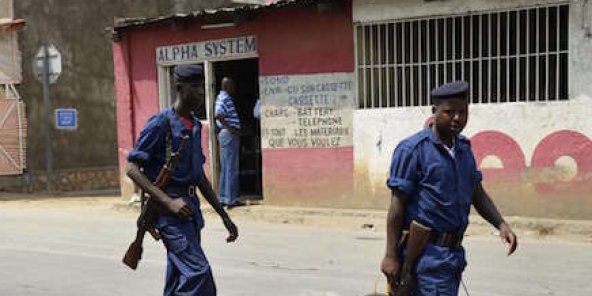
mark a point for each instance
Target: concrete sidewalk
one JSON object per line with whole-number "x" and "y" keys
{"x": 347, "y": 219}
{"x": 374, "y": 220}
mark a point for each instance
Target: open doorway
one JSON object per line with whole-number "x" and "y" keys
{"x": 245, "y": 74}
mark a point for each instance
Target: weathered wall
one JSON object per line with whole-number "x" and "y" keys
{"x": 291, "y": 42}
{"x": 6, "y": 9}
{"x": 536, "y": 157}
{"x": 378, "y": 10}
{"x": 77, "y": 29}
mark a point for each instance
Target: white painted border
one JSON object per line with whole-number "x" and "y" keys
{"x": 214, "y": 59}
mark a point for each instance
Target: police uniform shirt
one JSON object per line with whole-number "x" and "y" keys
{"x": 150, "y": 152}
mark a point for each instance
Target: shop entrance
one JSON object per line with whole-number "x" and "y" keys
{"x": 245, "y": 74}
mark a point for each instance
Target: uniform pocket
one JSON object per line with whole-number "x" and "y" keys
{"x": 174, "y": 239}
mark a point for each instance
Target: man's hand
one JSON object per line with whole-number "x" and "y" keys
{"x": 178, "y": 207}
{"x": 509, "y": 237}
{"x": 391, "y": 267}
{"x": 232, "y": 230}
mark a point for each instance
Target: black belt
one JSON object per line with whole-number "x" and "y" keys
{"x": 442, "y": 239}
{"x": 449, "y": 240}
{"x": 189, "y": 191}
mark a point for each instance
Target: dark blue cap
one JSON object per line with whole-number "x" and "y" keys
{"x": 455, "y": 89}
{"x": 189, "y": 73}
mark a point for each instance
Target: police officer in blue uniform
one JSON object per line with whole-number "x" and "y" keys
{"x": 188, "y": 271}
{"x": 434, "y": 181}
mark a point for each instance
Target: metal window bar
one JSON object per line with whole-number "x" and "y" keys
{"x": 429, "y": 59}
{"x": 453, "y": 48}
{"x": 371, "y": 103}
{"x": 428, "y": 67}
{"x": 445, "y": 56}
{"x": 472, "y": 55}
{"x": 420, "y": 67}
{"x": 387, "y": 62}
{"x": 411, "y": 66}
{"x": 489, "y": 54}
{"x": 379, "y": 67}
{"x": 527, "y": 92}
{"x": 547, "y": 50}
{"x": 537, "y": 96}
{"x": 361, "y": 69}
{"x": 558, "y": 48}
{"x": 437, "y": 56}
{"x": 403, "y": 72}
{"x": 462, "y": 47}
{"x": 395, "y": 62}
{"x": 518, "y": 54}
{"x": 499, "y": 59}
{"x": 364, "y": 86}
{"x": 508, "y": 16}
{"x": 421, "y": 61}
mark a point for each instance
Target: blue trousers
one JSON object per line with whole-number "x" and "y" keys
{"x": 229, "y": 159}
{"x": 188, "y": 271}
{"x": 438, "y": 271}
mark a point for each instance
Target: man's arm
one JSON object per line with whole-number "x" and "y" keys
{"x": 206, "y": 189}
{"x": 394, "y": 226}
{"x": 487, "y": 209}
{"x": 177, "y": 206}
{"x": 222, "y": 119}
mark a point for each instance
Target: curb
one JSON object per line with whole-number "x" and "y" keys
{"x": 374, "y": 220}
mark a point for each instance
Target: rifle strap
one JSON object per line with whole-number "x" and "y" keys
{"x": 168, "y": 139}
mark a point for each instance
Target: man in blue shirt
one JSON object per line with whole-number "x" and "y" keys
{"x": 179, "y": 224}
{"x": 434, "y": 180}
{"x": 228, "y": 122}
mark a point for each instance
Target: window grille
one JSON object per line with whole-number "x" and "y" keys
{"x": 516, "y": 55}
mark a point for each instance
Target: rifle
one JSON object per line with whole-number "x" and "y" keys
{"x": 150, "y": 210}
{"x": 416, "y": 240}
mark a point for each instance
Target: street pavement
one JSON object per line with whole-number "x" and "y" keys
{"x": 76, "y": 249}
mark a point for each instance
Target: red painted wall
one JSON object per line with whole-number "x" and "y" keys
{"x": 289, "y": 41}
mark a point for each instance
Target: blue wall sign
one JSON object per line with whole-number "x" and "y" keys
{"x": 66, "y": 119}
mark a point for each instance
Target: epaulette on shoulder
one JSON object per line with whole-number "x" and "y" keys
{"x": 413, "y": 141}
{"x": 158, "y": 121}
{"x": 464, "y": 139}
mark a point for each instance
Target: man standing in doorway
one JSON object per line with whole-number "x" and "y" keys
{"x": 434, "y": 181}
{"x": 180, "y": 220}
{"x": 229, "y": 139}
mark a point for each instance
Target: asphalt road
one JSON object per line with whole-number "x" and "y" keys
{"x": 76, "y": 250}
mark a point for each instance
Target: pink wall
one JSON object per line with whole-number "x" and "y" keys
{"x": 289, "y": 41}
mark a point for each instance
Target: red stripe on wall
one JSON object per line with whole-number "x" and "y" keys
{"x": 125, "y": 128}
{"x": 310, "y": 176}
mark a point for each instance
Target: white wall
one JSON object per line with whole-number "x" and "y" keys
{"x": 377, "y": 131}
{"x": 380, "y": 10}
{"x": 6, "y": 9}
{"x": 307, "y": 111}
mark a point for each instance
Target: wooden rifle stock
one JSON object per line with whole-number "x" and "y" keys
{"x": 149, "y": 212}
{"x": 416, "y": 240}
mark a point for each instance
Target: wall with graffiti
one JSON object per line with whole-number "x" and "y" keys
{"x": 536, "y": 158}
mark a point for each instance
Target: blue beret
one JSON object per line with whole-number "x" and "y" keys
{"x": 455, "y": 89}
{"x": 189, "y": 73}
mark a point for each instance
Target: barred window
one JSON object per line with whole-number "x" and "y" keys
{"x": 508, "y": 56}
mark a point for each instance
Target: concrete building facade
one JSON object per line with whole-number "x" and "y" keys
{"x": 84, "y": 158}
{"x": 532, "y": 141}
{"x": 341, "y": 83}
